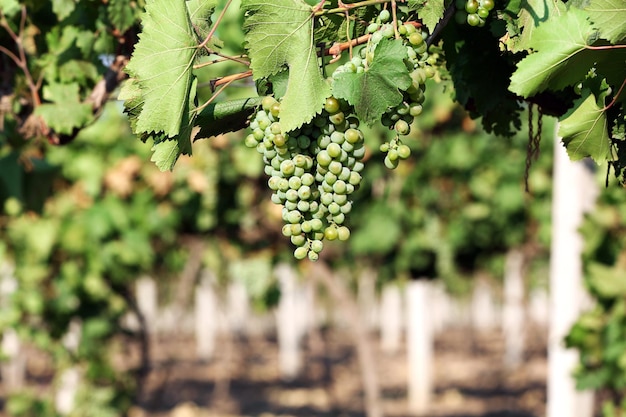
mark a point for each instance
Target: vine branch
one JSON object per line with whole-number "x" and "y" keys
{"x": 619, "y": 92}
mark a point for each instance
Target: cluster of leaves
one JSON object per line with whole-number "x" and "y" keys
{"x": 61, "y": 61}
{"x": 456, "y": 207}
{"x": 600, "y": 333}
{"x": 81, "y": 226}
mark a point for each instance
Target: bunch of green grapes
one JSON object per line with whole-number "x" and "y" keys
{"x": 473, "y": 12}
{"x": 312, "y": 172}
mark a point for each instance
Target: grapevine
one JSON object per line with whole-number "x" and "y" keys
{"x": 314, "y": 169}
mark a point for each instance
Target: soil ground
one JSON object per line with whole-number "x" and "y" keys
{"x": 243, "y": 379}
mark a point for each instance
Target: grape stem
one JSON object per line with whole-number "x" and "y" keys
{"x": 343, "y": 7}
{"x": 337, "y": 48}
{"x": 215, "y": 25}
{"x": 395, "y": 19}
{"x": 619, "y": 92}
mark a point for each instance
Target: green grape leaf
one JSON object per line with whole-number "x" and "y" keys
{"x": 584, "y": 130}
{"x": 162, "y": 64}
{"x": 376, "y": 89}
{"x": 279, "y": 33}
{"x": 166, "y": 150}
{"x": 9, "y": 7}
{"x": 65, "y": 110}
{"x": 429, "y": 11}
{"x": 121, "y": 14}
{"x": 560, "y": 58}
{"x": 607, "y": 281}
{"x": 200, "y": 12}
{"x": 165, "y": 153}
{"x": 532, "y": 13}
{"x": 63, "y": 8}
{"x": 226, "y": 116}
{"x": 609, "y": 16}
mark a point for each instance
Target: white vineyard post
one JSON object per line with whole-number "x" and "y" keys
{"x": 206, "y": 317}
{"x": 441, "y": 308}
{"x": 574, "y": 192}
{"x": 69, "y": 380}
{"x": 13, "y": 371}
{"x": 147, "y": 302}
{"x": 419, "y": 346}
{"x": 484, "y": 312}
{"x": 513, "y": 314}
{"x": 290, "y": 323}
{"x": 538, "y": 306}
{"x": 367, "y": 297}
{"x": 238, "y": 306}
{"x": 391, "y": 310}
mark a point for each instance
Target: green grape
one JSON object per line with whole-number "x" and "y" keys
{"x": 331, "y": 105}
{"x": 483, "y": 13}
{"x": 384, "y": 16}
{"x": 313, "y": 256}
{"x": 343, "y": 233}
{"x": 300, "y": 253}
{"x": 402, "y": 127}
{"x": 331, "y": 233}
{"x": 473, "y": 19}
{"x": 471, "y": 6}
{"x": 416, "y": 39}
{"x": 404, "y": 151}
{"x": 487, "y": 4}
{"x": 267, "y": 103}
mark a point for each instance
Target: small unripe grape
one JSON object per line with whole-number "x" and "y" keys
{"x": 389, "y": 163}
{"x": 300, "y": 253}
{"x": 343, "y": 233}
{"x": 337, "y": 118}
{"x": 482, "y": 12}
{"x": 317, "y": 246}
{"x": 384, "y": 16}
{"x": 487, "y": 4}
{"x": 331, "y": 105}
{"x": 275, "y": 109}
{"x": 331, "y": 233}
{"x": 416, "y": 39}
{"x": 404, "y": 151}
{"x": 471, "y": 6}
{"x": 267, "y": 103}
{"x": 313, "y": 256}
{"x": 334, "y": 150}
{"x": 473, "y": 19}
{"x": 298, "y": 240}
{"x": 402, "y": 127}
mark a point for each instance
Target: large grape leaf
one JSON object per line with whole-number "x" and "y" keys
{"x": 279, "y": 33}
{"x": 584, "y": 130}
{"x": 166, "y": 150}
{"x": 561, "y": 57}
{"x": 200, "y": 12}
{"x": 609, "y": 16}
{"x": 429, "y": 11}
{"x": 162, "y": 65}
{"x": 374, "y": 90}
{"x": 531, "y": 14}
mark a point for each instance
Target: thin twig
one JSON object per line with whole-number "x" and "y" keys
{"x": 222, "y": 58}
{"x": 619, "y": 92}
{"x": 215, "y": 25}
{"x": 345, "y": 7}
{"x": 224, "y": 82}
{"x": 394, "y": 19}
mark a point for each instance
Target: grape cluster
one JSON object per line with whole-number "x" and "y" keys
{"x": 420, "y": 62}
{"x": 473, "y": 12}
{"x": 312, "y": 172}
